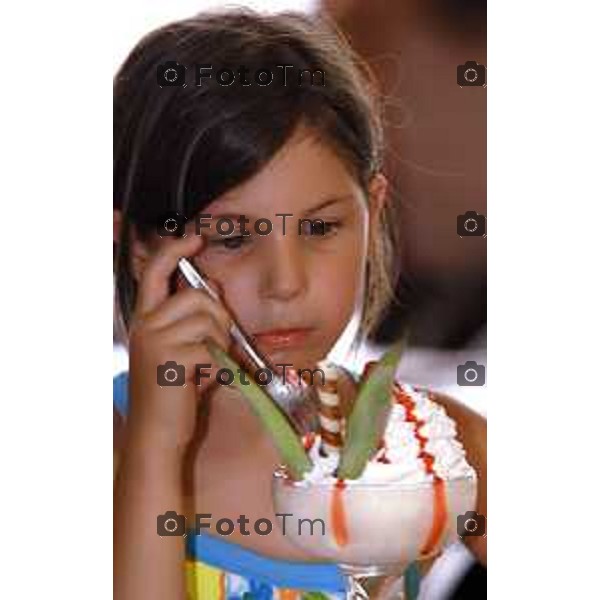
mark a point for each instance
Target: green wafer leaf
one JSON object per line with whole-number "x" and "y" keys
{"x": 369, "y": 415}
{"x": 282, "y": 433}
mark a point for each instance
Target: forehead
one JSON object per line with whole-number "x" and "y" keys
{"x": 301, "y": 175}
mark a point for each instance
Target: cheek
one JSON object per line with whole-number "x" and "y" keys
{"x": 340, "y": 275}
{"x": 338, "y": 284}
{"x": 239, "y": 286}
{"x": 353, "y": 261}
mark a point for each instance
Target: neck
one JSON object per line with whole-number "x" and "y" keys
{"x": 230, "y": 411}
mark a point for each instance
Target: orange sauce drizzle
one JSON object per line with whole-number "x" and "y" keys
{"x": 338, "y": 514}
{"x": 440, "y": 509}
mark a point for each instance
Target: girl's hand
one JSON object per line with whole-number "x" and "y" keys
{"x": 170, "y": 328}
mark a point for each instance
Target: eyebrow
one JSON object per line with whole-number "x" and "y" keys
{"x": 326, "y": 202}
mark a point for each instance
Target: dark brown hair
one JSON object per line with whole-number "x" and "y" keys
{"x": 179, "y": 148}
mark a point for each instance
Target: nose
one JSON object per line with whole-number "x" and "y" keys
{"x": 285, "y": 269}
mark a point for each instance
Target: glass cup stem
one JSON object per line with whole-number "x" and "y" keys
{"x": 354, "y": 590}
{"x": 390, "y": 588}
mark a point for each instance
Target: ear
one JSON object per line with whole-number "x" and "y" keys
{"x": 140, "y": 251}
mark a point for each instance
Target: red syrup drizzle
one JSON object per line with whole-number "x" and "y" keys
{"x": 309, "y": 440}
{"x": 338, "y": 514}
{"x": 440, "y": 509}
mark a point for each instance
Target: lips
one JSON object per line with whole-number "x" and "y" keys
{"x": 283, "y": 338}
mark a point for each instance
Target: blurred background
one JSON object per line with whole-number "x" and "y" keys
{"x": 436, "y": 162}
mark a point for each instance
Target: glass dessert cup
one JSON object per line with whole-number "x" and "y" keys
{"x": 372, "y": 529}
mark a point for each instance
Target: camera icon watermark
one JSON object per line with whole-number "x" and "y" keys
{"x": 470, "y": 524}
{"x": 470, "y": 74}
{"x": 470, "y": 224}
{"x": 171, "y": 224}
{"x": 170, "y": 74}
{"x": 470, "y": 374}
{"x": 170, "y": 524}
{"x": 170, "y": 374}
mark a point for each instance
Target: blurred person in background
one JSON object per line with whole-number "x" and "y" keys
{"x": 435, "y": 157}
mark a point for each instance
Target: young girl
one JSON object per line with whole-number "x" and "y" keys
{"x": 307, "y": 145}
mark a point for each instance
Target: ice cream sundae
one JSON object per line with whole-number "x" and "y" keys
{"x": 404, "y": 504}
{"x": 387, "y": 480}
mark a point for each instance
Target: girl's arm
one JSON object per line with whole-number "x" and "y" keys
{"x": 118, "y": 433}
{"x": 161, "y": 425}
{"x": 148, "y": 484}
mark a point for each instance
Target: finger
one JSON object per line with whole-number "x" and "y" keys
{"x": 195, "y": 371}
{"x": 195, "y": 330}
{"x": 188, "y": 303}
{"x": 154, "y": 284}
{"x": 187, "y": 358}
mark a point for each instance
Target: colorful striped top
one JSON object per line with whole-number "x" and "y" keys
{"x": 217, "y": 569}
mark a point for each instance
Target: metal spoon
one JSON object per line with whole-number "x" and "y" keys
{"x": 298, "y": 400}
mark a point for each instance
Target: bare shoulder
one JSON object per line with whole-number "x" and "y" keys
{"x": 464, "y": 416}
{"x": 471, "y": 428}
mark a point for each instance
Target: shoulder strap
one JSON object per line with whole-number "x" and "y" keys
{"x": 120, "y": 399}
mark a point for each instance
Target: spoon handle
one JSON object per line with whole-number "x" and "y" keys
{"x": 292, "y": 399}
{"x": 196, "y": 280}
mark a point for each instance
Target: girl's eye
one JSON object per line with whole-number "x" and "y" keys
{"x": 234, "y": 242}
{"x": 320, "y": 229}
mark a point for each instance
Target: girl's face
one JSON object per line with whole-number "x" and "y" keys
{"x": 293, "y": 292}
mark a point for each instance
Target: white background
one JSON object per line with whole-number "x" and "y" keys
{"x": 140, "y": 17}
{"x": 56, "y": 331}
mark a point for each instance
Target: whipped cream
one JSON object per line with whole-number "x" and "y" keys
{"x": 406, "y": 442}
